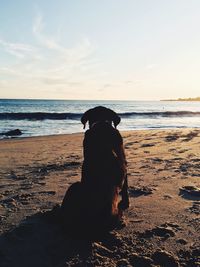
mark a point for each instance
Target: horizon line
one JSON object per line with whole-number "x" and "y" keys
{"x": 58, "y": 99}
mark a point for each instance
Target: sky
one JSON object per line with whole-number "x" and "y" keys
{"x": 92, "y": 49}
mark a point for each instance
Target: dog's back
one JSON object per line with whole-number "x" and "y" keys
{"x": 101, "y": 164}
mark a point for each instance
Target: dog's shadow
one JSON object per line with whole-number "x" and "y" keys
{"x": 39, "y": 240}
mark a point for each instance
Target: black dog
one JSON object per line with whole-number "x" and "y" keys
{"x": 104, "y": 157}
{"x": 95, "y": 200}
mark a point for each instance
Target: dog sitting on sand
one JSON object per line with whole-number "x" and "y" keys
{"x": 95, "y": 200}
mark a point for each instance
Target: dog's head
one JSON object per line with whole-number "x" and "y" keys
{"x": 99, "y": 114}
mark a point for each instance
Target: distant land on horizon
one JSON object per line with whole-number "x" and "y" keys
{"x": 183, "y": 99}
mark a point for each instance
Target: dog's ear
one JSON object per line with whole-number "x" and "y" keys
{"x": 85, "y": 118}
{"x": 115, "y": 118}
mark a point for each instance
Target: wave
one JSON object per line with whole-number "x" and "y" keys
{"x": 161, "y": 114}
{"x": 39, "y": 116}
{"x": 77, "y": 116}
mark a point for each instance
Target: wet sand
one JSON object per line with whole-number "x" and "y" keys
{"x": 163, "y": 221}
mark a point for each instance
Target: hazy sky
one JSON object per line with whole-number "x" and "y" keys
{"x": 100, "y": 49}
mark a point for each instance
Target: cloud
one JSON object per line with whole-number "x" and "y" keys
{"x": 19, "y": 50}
{"x": 48, "y": 63}
{"x": 76, "y": 54}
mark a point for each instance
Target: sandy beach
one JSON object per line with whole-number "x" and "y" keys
{"x": 163, "y": 221}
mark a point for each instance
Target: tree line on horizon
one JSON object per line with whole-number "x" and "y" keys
{"x": 184, "y": 99}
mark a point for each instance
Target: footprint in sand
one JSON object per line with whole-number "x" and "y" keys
{"x": 165, "y": 259}
{"x": 27, "y": 185}
{"x": 159, "y": 231}
{"x": 195, "y": 160}
{"x": 190, "y": 192}
{"x": 46, "y": 169}
{"x": 184, "y": 167}
{"x": 139, "y": 191}
{"x": 9, "y": 203}
{"x": 167, "y": 196}
{"x": 190, "y": 136}
{"x": 171, "y": 138}
{"x": 183, "y": 150}
{"x": 12, "y": 175}
{"x": 148, "y": 145}
{"x": 138, "y": 260}
{"x": 191, "y": 256}
{"x": 157, "y": 160}
{"x": 164, "y": 230}
{"x": 195, "y": 208}
{"x": 172, "y": 149}
{"x": 127, "y": 145}
{"x": 47, "y": 192}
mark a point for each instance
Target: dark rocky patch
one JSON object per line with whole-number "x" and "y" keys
{"x": 15, "y": 132}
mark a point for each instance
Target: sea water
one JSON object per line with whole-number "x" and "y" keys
{"x": 50, "y": 117}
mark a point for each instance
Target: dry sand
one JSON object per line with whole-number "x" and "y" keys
{"x": 163, "y": 221}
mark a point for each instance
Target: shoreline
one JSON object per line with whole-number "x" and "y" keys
{"x": 11, "y": 138}
{"x": 39, "y": 136}
{"x": 162, "y": 221}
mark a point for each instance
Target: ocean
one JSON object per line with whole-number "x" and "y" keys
{"x": 53, "y": 117}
